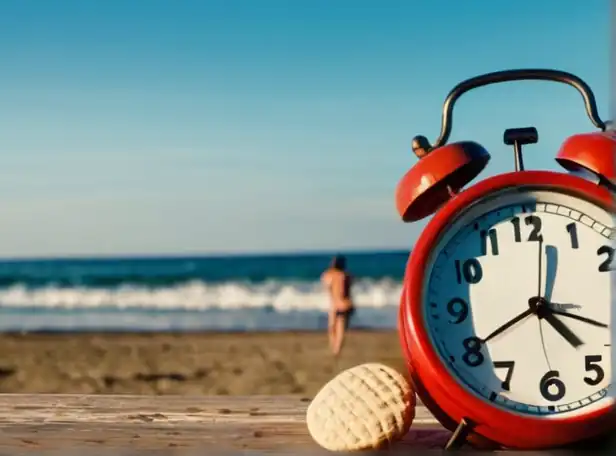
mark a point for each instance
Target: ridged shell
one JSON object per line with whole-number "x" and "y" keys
{"x": 363, "y": 407}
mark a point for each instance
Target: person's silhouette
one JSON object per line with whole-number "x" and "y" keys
{"x": 338, "y": 283}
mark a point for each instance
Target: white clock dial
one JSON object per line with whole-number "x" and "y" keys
{"x": 484, "y": 272}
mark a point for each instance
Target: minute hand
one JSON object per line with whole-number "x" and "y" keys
{"x": 579, "y": 318}
{"x": 508, "y": 325}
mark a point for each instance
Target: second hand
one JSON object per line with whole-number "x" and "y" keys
{"x": 545, "y": 353}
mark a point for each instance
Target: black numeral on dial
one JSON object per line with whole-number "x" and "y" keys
{"x": 470, "y": 271}
{"x": 489, "y": 237}
{"x": 608, "y": 253}
{"x": 572, "y": 230}
{"x": 590, "y": 365}
{"x": 532, "y": 221}
{"x": 472, "y": 356}
{"x": 458, "y": 309}
{"x": 551, "y": 387}
{"x": 509, "y": 365}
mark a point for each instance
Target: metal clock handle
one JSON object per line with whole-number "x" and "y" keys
{"x": 507, "y": 76}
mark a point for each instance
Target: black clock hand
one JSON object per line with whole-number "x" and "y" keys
{"x": 540, "y": 307}
{"x": 580, "y": 318}
{"x": 509, "y": 324}
{"x": 541, "y": 304}
{"x": 562, "y": 329}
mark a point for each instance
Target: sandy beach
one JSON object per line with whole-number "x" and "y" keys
{"x": 184, "y": 363}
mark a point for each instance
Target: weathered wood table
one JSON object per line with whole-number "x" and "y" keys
{"x": 127, "y": 425}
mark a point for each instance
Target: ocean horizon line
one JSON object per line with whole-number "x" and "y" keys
{"x": 304, "y": 253}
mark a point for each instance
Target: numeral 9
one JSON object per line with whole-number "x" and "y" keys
{"x": 457, "y": 308}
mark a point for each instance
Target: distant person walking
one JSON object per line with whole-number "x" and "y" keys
{"x": 338, "y": 283}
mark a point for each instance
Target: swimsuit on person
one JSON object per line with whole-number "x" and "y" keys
{"x": 346, "y": 295}
{"x": 346, "y": 314}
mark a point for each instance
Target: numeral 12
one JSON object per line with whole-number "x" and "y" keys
{"x": 531, "y": 220}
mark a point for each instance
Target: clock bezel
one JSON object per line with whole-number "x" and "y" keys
{"x": 437, "y": 387}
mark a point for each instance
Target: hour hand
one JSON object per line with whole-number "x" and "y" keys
{"x": 563, "y": 330}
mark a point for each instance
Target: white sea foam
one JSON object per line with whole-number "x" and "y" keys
{"x": 198, "y": 296}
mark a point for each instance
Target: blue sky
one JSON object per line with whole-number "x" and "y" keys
{"x": 171, "y": 127}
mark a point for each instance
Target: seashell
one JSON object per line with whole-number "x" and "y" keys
{"x": 366, "y": 406}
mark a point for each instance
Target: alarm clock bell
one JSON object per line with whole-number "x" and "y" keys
{"x": 437, "y": 176}
{"x": 592, "y": 152}
{"x": 444, "y": 169}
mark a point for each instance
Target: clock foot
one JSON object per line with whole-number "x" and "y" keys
{"x": 458, "y": 438}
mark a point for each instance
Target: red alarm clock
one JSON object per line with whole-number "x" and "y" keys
{"x": 505, "y": 313}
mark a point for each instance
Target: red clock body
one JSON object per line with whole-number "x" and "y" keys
{"x": 506, "y": 309}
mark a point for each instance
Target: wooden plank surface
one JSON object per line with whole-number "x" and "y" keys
{"x": 266, "y": 424}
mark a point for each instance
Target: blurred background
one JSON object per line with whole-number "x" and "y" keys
{"x": 176, "y": 175}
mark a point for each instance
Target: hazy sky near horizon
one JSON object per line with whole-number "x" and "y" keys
{"x": 187, "y": 126}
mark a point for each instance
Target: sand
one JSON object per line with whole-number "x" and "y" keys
{"x": 184, "y": 364}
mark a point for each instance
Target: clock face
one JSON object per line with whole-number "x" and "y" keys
{"x": 492, "y": 265}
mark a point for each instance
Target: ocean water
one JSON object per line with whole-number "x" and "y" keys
{"x": 238, "y": 293}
